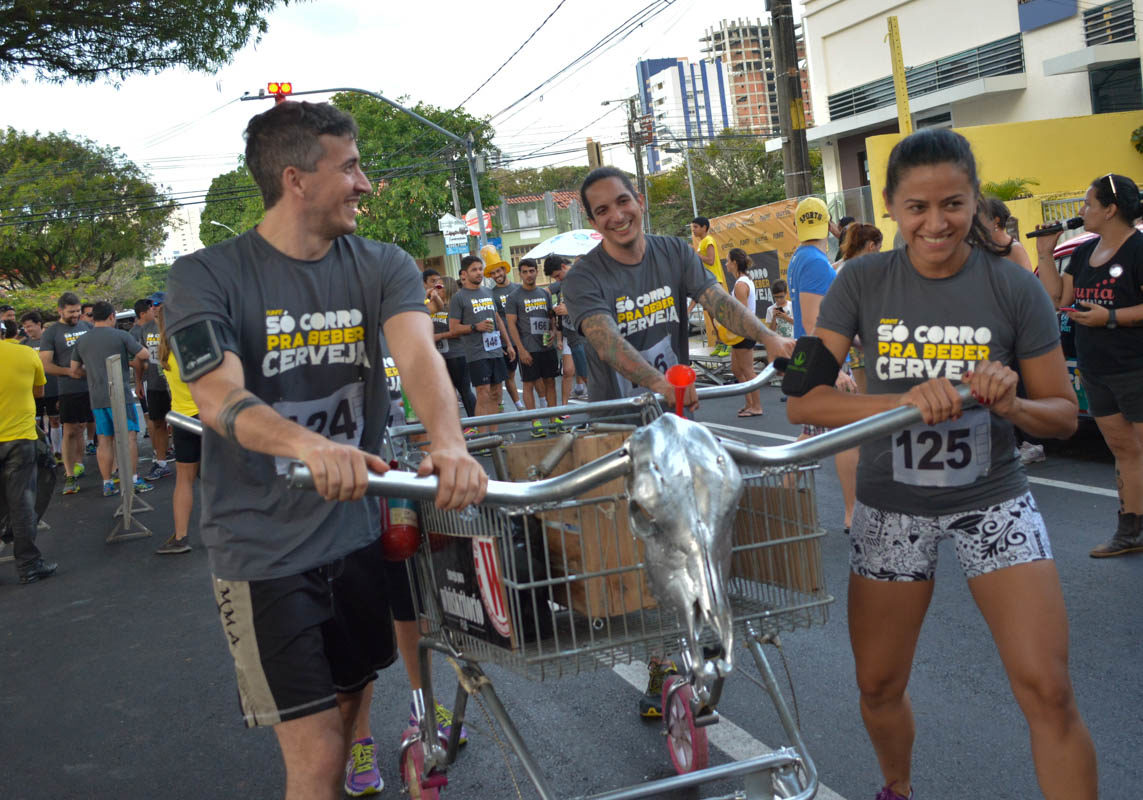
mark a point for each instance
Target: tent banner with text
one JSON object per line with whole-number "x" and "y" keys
{"x": 767, "y": 235}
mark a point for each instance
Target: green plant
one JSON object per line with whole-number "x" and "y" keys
{"x": 1010, "y": 189}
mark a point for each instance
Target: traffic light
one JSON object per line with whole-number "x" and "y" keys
{"x": 279, "y": 90}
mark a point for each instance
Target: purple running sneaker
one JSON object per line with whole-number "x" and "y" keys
{"x": 887, "y": 793}
{"x": 361, "y": 774}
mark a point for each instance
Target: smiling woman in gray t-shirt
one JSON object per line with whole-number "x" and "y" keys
{"x": 949, "y": 309}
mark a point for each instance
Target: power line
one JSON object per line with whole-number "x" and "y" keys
{"x": 514, "y": 54}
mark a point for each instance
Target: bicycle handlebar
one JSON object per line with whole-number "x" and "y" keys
{"x": 617, "y": 464}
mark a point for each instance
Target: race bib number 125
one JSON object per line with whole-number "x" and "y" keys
{"x": 955, "y": 452}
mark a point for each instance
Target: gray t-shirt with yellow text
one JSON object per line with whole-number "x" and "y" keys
{"x": 648, "y": 302}
{"x": 471, "y": 306}
{"x": 308, "y": 336}
{"x": 916, "y": 328}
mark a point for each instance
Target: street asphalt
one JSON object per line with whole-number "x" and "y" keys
{"x": 115, "y": 681}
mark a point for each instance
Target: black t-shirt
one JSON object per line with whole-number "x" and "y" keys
{"x": 1116, "y": 284}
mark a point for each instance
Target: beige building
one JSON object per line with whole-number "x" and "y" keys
{"x": 968, "y": 63}
{"x": 746, "y": 51}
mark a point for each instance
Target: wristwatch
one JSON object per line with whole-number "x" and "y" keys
{"x": 1111, "y": 323}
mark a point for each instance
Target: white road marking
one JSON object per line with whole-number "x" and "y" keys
{"x": 1075, "y": 487}
{"x": 725, "y": 735}
{"x": 1069, "y": 485}
{"x": 748, "y": 432}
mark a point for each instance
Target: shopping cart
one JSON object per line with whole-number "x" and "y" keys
{"x": 552, "y": 577}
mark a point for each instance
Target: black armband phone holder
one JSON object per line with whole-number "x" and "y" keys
{"x": 810, "y": 365}
{"x": 197, "y": 348}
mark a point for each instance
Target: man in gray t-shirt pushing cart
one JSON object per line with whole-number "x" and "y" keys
{"x": 277, "y": 332}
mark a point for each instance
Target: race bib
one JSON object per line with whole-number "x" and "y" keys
{"x": 540, "y": 325}
{"x": 952, "y": 453}
{"x": 338, "y": 417}
{"x": 491, "y": 340}
{"x": 659, "y": 355}
{"x": 442, "y": 345}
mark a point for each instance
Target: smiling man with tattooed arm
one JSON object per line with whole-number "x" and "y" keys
{"x": 627, "y": 295}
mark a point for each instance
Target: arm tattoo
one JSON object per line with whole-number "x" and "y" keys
{"x": 733, "y": 315}
{"x": 234, "y": 404}
{"x": 603, "y": 334}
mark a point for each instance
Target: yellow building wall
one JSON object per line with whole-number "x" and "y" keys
{"x": 1063, "y": 155}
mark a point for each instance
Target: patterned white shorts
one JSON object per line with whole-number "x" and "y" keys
{"x": 891, "y": 546}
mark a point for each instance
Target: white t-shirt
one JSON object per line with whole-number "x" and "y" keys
{"x": 751, "y": 295}
{"x": 784, "y": 328}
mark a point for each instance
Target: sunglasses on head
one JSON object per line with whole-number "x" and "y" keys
{"x": 1110, "y": 177}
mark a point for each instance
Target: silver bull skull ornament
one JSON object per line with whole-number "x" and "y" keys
{"x": 683, "y": 492}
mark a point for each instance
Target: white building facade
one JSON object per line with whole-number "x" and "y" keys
{"x": 182, "y": 234}
{"x": 689, "y": 103}
{"x": 969, "y": 62}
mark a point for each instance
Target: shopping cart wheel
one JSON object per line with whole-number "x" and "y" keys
{"x": 686, "y": 742}
{"x": 412, "y": 765}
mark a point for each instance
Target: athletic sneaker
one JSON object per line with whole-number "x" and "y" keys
{"x": 90, "y": 449}
{"x": 78, "y": 470}
{"x": 71, "y": 485}
{"x": 471, "y": 431}
{"x": 651, "y": 703}
{"x": 159, "y": 471}
{"x": 361, "y": 774}
{"x": 538, "y": 431}
{"x": 444, "y": 723}
{"x": 142, "y": 486}
{"x": 110, "y": 489}
{"x": 174, "y": 546}
{"x": 887, "y": 793}
{"x": 520, "y": 406}
{"x": 579, "y": 392}
{"x": 59, "y": 458}
{"x": 559, "y": 424}
{"x": 1031, "y": 453}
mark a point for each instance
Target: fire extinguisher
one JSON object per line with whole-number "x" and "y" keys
{"x": 400, "y": 529}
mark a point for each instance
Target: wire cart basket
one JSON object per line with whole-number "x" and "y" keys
{"x": 547, "y": 579}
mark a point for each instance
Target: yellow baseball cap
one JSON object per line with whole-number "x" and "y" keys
{"x": 811, "y": 219}
{"x": 491, "y": 258}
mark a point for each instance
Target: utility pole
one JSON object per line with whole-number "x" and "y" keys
{"x": 900, "y": 85}
{"x": 635, "y": 138}
{"x": 791, "y": 111}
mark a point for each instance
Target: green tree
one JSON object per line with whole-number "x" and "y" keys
{"x": 86, "y": 40}
{"x": 70, "y": 208}
{"x": 533, "y": 180}
{"x": 731, "y": 173}
{"x": 409, "y": 165}
{"x": 121, "y": 286}
{"x": 669, "y": 200}
{"x": 234, "y": 201}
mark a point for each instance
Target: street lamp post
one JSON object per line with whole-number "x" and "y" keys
{"x": 686, "y": 157}
{"x": 223, "y": 225}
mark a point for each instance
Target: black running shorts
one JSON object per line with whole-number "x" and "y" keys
{"x": 298, "y": 641}
{"x": 486, "y": 371}
{"x": 75, "y": 408}
{"x": 545, "y": 364}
